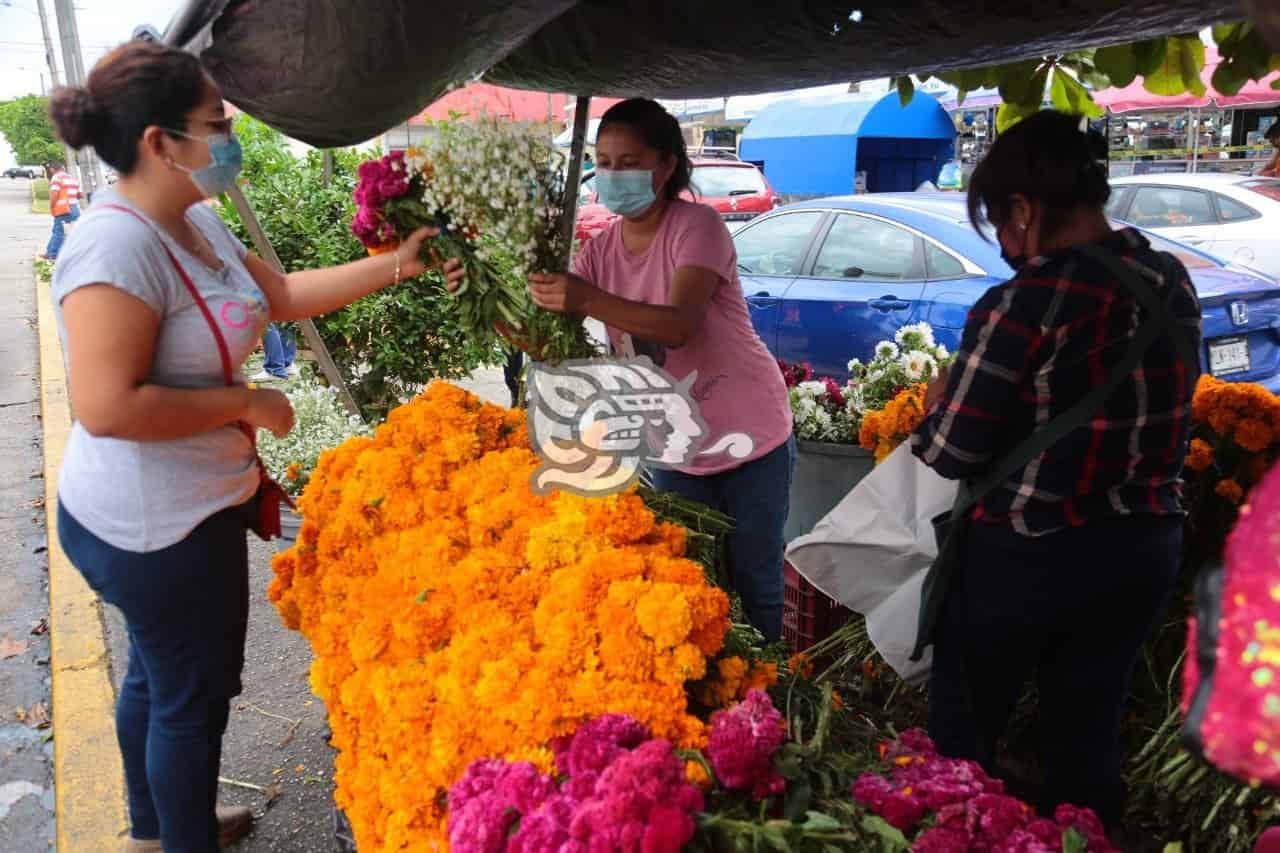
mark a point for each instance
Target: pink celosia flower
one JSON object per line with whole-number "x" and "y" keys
{"x": 583, "y": 756}
{"x": 742, "y": 743}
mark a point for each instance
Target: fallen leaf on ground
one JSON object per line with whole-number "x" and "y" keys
{"x": 37, "y": 716}
{"x": 299, "y": 768}
{"x": 41, "y": 627}
{"x": 11, "y": 648}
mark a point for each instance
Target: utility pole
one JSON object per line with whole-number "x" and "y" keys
{"x": 52, "y": 58}
{"x": 73, "y": 59}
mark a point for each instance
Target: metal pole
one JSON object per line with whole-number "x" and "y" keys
{"x": 1195, "y": 142}
{"x": 581, "y": 119}
{"x": 327, "y": 365}
{"x": 51, "y": 57}
{"x": 74, "y": 62}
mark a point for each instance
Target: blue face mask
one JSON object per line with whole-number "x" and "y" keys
{"x": 225, "y": 160}
{"x": 626, "y": 192}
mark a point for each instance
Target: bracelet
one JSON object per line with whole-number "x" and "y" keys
{"x": 397, "y": 254}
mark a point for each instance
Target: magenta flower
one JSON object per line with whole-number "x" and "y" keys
{"x": 1085, "y": 822}
{"x": 943, "y": 839}
{"x": 742, "y": 743}
{"x": 583, "y": 756}
{"x": 545, "y": 830}
{"x": 487, "y": 801}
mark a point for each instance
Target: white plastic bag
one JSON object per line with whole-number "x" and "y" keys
{"x": 872, "y": 551}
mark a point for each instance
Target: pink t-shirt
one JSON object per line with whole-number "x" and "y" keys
{"x": 738, "y": 386}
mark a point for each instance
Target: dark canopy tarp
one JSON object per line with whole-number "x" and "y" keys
{"x": 337, "y": 72}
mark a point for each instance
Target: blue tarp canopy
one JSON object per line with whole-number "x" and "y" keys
{"x": 818, "y": 146}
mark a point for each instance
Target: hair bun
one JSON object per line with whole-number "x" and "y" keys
{"x": 77, "y": 116}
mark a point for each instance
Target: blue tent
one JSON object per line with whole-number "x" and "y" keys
{"x": 818, "y": 146}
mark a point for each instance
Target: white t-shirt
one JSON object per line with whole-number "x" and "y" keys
{"x": 147, "y": 495}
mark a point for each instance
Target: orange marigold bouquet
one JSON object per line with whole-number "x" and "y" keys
{"x": 1235, "y": 439}
{"x": 454, "y": 615}
{"x": 882, "y": 431}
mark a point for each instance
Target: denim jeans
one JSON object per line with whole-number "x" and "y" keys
{"x": 1074, "y": 607}
{"x": 186, "y": 608}
{"x": 278, "y": 344}
{"x": 59, "y": 234}
{"x": 757, "y": 496}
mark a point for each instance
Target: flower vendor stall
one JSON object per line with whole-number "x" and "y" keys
{"x": 510, "y": 671}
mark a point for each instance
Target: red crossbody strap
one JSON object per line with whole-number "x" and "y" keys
{"x": 224, "y": 352}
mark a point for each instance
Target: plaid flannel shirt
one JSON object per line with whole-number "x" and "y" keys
{"x": 1031, "y": 348}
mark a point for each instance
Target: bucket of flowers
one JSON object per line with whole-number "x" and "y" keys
{"x": 844, "y": 429}
{"x": 320, "y": 423}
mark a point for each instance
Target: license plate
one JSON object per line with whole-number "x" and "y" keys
{"x": 1228, "y": 355}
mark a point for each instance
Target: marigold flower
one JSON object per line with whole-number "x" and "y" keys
{"x": 436, "y": 589}
{"x": 1199, "y": 455}
{"x": 1230, "y": 490}
{"x": 1253, "y": 435}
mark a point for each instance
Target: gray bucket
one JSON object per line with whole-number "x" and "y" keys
{"x": 290, "y": 524}
{"x": 825, "y": 473}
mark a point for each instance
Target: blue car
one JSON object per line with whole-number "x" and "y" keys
{"x": 828, "y": 279}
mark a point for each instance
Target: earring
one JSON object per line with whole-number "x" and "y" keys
{"x": 1022, "y": 226}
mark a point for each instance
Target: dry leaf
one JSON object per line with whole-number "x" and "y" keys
{"x": 41, "y": 627}
{"x": 37, "y": 716}
{"x": 299, "y": 768}
{"x": 11, "y": 648}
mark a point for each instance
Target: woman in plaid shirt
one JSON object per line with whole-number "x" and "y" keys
{"x": 1068, "y": 565}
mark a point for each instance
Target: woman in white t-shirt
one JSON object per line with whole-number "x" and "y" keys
{"x": 158, "y": 307}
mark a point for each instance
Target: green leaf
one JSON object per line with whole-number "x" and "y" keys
{"x": 1010, "y": 114}
{"x": 1016, "y": 82}
{"x": 891, "y": 836}
{"x": 1074, "y": 842}
{"x": 1229, "y": 77}
{"x": 421, "y": 598}
{"x": 1070, "y": 97}
{"x": 1179, "y": 71}
{"x": 1149, "y": 54}
{"x": 1173, "y": 847}
{"x": 799, "y": 795}
{"x": 1119, "y": 63}
{"x": 906, "y": 89}
{"x": 819, "y": 822}
{"x": 775, "y": 839}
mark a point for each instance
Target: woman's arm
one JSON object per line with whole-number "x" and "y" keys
{"x": 110, "y": 344}
{"x": 309, "y": 293}
{"x": 670, "y": 325}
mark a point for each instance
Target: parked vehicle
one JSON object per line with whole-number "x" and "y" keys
{"x": 1236, "y": 217}
{"x": 737, "y": 190}
{"x": 826, "y": 280}
{"x": 20, "y": 172}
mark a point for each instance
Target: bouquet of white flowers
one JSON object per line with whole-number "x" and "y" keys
{"x": 824, "y": 410}
{"x": 319, "y": 423}
{"x": 496, "y": 191}
{"x": 912, "y": 357}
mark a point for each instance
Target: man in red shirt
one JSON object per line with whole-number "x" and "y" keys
{"x": 64, "y": 205}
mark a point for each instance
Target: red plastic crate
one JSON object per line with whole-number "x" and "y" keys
{"x": 808, "y": 616}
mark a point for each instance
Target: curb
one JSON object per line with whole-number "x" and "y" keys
{"x": 88, "y": 774}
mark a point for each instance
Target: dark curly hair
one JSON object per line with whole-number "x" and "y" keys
{"x": 659, "y": 130}
{"x": 133, "y": 87}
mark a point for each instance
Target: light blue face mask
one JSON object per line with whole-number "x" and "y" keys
{"x": 626, "y": 192}
{"x": 225, "y": 160}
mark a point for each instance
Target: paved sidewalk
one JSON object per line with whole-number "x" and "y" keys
{"x": 26, "y": 751}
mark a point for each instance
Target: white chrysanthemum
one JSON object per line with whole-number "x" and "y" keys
{"x": 918, "y": 365}
{"x": 940, "y": 352}
{"x": 915, "y": 336}
{"x": 812, "y": 388}
{"x": 855, "y": 365}
{"x": 886, "y": 351}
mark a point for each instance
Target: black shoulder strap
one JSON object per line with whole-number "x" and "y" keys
{"x": 1160, "y": 319}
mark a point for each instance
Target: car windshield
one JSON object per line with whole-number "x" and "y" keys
{"x": 723, "y": 181}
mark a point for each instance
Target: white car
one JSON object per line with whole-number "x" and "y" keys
{"x": 1236, "y": 217}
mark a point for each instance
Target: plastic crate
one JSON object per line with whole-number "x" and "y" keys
{"x": 808, "y": 616}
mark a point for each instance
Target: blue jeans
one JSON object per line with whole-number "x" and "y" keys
{"x": 1075, "y": 607}
{"x": 280, "y": 349}
{"x": 59, "y": 231}
{"x": 757, "y": 496}
{"x": 186, "y": 608}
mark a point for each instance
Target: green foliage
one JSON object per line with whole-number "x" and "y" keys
{"x": 26, "y": 126}
{"x": 1171, "y": 65}
{"x": 387, "y": 345}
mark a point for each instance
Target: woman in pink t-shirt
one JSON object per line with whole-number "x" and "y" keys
{"x": 664, "y": 281}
